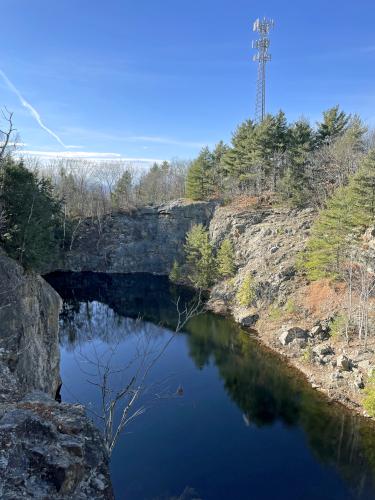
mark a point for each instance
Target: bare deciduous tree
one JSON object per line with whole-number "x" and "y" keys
{"x": 118, "y": 407}
{"x": 7, "y": 133}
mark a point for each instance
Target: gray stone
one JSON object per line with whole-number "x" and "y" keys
{"x": 325, "y": 350}
{"x": 288, "y": 334}
{"x": 249, "y": 320}
{"x": 51, "y": 450}
{"x": 344, "y": 363}
{"x": 359, "y": 381}
{"x": 29, "y": 314}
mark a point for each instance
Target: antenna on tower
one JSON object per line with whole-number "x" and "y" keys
{"x": 262, "y": 57}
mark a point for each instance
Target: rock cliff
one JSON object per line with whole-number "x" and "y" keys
{"x": 147, "y": 240}
{"x": 47, "y": 450}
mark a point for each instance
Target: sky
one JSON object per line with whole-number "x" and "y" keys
{"x": 153, "y": 80}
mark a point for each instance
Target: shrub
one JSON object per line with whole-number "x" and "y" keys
{"x": 224, "y": 260}
{"x": 337, "y": 326}
{"x": 369, "y": 399}
{"x": 175, "y": 274}
{"x": 246, "y": 293}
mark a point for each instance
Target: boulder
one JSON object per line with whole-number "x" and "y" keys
{"x": 323, "y": 350}
{"x": 249, "y": 320}
{"x": 288, "y": 334}
{"x": 320, "y": 331}
{"x": 344, "y": 363}
{"x": 358, "y": 381}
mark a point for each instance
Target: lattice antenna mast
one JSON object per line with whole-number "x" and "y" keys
{"x": 262, "y": 57}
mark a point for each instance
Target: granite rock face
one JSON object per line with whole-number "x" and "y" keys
{"x": 47, "y": 450}
{"x": 147, "y": 240}
{"x": 266, "y": 242}
{"x": 29, "y": 313}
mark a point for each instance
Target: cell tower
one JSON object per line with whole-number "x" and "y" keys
{"x": 262, "y": 57}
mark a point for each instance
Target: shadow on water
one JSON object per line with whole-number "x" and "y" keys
{"x": 266, "y": 392}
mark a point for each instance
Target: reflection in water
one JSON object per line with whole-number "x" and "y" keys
{"x": 275, "y": 404}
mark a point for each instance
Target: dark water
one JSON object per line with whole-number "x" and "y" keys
{"x": 225, "y": 418}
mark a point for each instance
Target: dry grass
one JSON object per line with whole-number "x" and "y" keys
{"x": 246, "y": 202}
{"x": 322, "y": 298}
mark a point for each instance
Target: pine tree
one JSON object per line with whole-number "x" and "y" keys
{"x": 293, "y": 185}
{"x": 225, "y": 261}
{"x": 349, "y": 212}
{"x": 200, "y": 179}
{"x": 195, "y": 181}
{"x": 327, "y": 244}
{"x": 122, "y": 191}
{"x": 34, "y": 217}
{"x": 200, "y": 262}
{"x": 334, "y": 123}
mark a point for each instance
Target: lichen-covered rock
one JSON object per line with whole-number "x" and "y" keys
{"x": 147, "y": 240}
{"x": 51, "y": 450}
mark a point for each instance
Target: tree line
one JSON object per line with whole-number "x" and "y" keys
{"x": 301, "y": 164}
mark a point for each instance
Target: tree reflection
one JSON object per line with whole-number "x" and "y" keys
{"x": 259, "y": 382}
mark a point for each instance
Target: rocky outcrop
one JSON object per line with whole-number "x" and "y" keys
{"x": 47, "y": 450}
{"x": 147, "y": 240}
{"x": 266, "y": 242}
{"x": 29, "y": 313}
{"x": 50, "y": 450}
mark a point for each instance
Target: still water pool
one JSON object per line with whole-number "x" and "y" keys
{"x": 224, "y": 419}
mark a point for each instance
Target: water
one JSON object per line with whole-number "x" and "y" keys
{"x": 225, "y": 418}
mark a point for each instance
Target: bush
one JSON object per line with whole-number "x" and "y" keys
{"x": 246, "y": 293}
{"x": 175, "y": 274}
{"x": 337, "y": 326}
{"x": 369, "y": 399}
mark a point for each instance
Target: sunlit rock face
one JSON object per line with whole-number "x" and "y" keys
{"x": 147, "y": 240}
{"x": 29, "y": 313}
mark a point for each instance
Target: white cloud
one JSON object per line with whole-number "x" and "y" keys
{"x": 34, "y": 113}
{"x": 85, "y": 155}
{"x": 15, "y": 144}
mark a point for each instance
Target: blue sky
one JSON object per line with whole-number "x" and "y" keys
{"x": 159, "y": 79}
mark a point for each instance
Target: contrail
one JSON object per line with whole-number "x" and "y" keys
{"x": 34, "y": 113}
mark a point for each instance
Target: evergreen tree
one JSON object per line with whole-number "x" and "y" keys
{"x": 224, "y": 260}
{"x": 293, "y": 186}
{"x": 246, "y": 293}
{"x": 333, "y": 125}
{"x": 199, "y": 179}
{"x": 122, "y": 191}
{"x": 349, "y": 212}
{"x": 330, "y": 233}
{"x": 34, "y": 218}
{"x": 201, "y": 269}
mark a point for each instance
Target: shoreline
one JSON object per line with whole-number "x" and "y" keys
{"x": 317, "y": 376}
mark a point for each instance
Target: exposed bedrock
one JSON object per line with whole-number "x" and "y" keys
{"x": 147, "y": 240}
